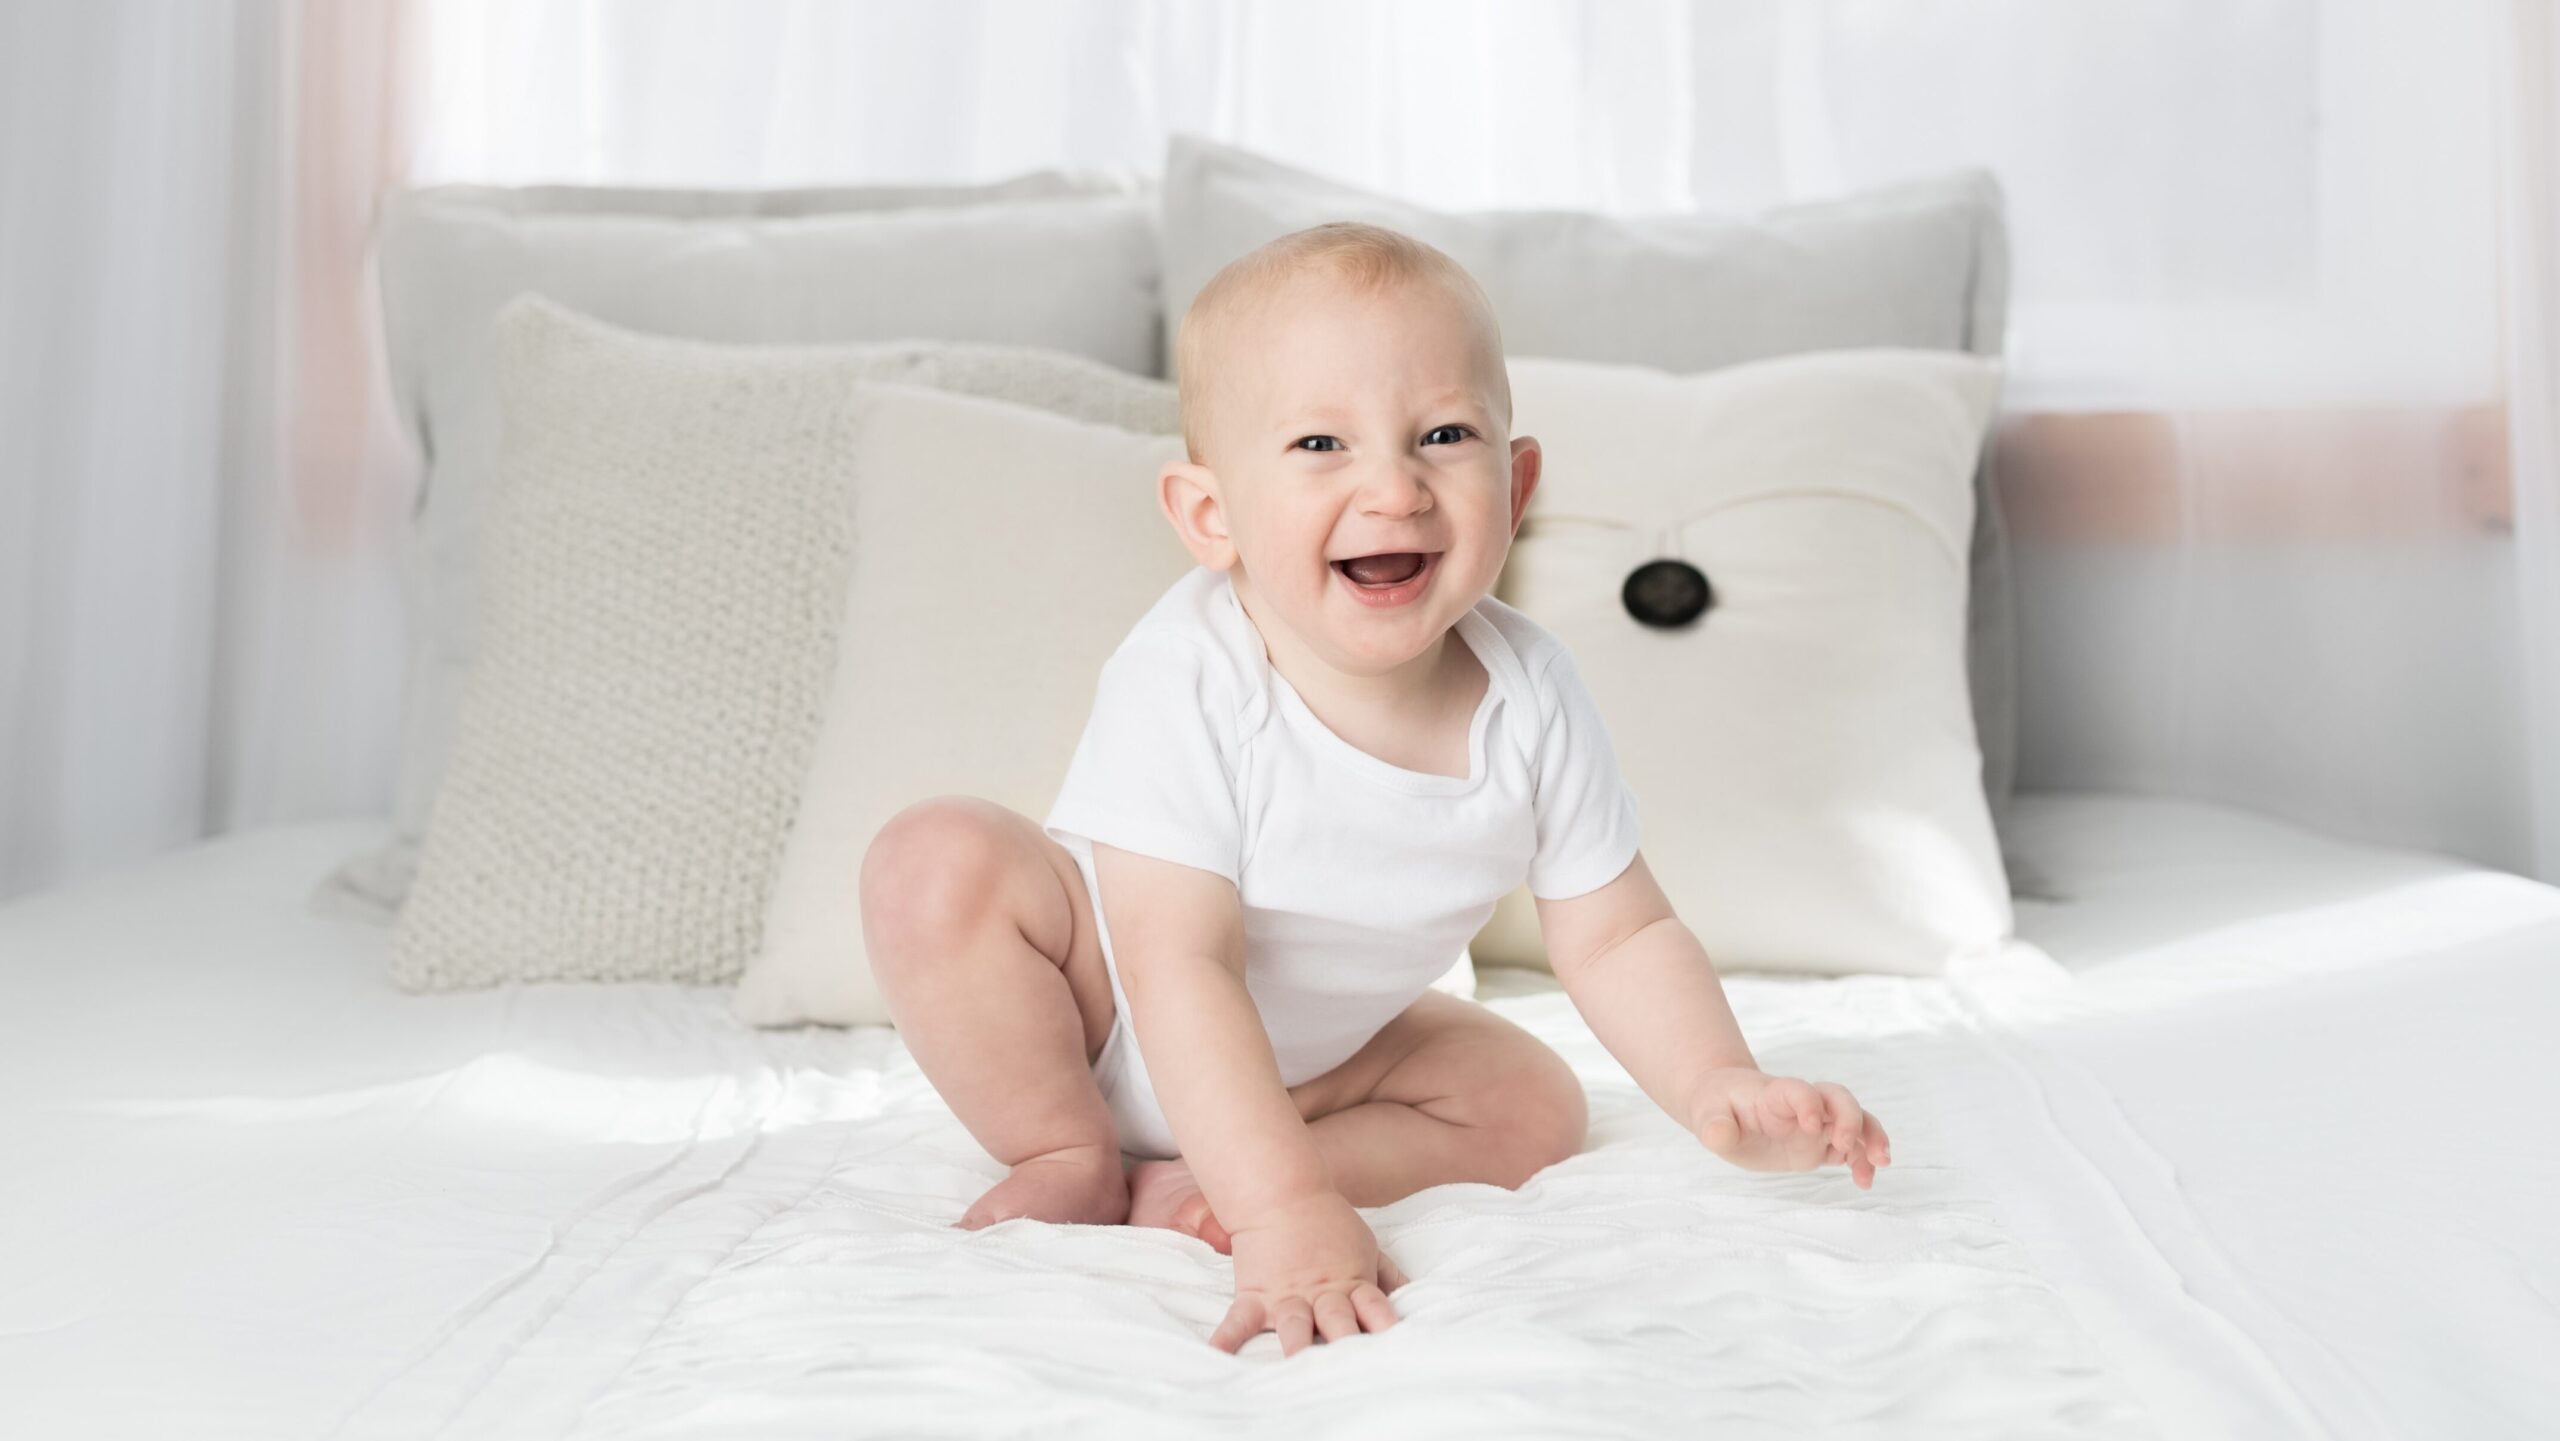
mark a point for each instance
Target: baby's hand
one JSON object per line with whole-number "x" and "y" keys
{"x": 1313, "y": 1268}
{"x": 1762, "y": 1122}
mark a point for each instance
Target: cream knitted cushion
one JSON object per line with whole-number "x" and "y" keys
{"x": 668, "y": 567}
{"x": 1059, "y": 260}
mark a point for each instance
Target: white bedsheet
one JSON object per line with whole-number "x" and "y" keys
{"x": 2244, "y": 1174}
{"x": 2321, "y": 1080}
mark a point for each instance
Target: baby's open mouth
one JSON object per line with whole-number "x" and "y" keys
{"x": 1393, "y": 567}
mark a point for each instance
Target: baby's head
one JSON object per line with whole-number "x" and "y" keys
{"x": 1348, "y": 419}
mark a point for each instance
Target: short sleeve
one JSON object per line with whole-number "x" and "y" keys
{"x": 1587, "y": 831}
{"x": 1154, "y": 773}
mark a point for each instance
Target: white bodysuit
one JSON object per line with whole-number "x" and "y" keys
{"x": 1361, "y": 882}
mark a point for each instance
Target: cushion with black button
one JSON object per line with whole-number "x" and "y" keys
{"x": 1761, "y": 573}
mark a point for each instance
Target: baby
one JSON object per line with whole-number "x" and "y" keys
{"x": 1311, "y": 770}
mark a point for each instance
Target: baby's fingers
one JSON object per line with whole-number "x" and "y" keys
{"x": 1372, "y": 1306}
{"x": 1879, "y": 1145}
{"x": 1722, "y": 1131}
{"x": 1787, "y": 1104}
{"x": 1389, "y": 1277}
{"x": 1244, "y": 1322}
{"x": 1848, "y": 1122}
{"x": 1295, "y": 1320}
{"x": 1334, "y": 1317}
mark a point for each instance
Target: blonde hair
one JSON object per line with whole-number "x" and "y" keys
{"x": 1363, "y": 257}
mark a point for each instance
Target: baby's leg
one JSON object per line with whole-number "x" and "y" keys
{"x": 1449, "y": 1091}
{"x": 983, "y": 943}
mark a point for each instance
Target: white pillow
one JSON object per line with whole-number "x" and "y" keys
{"x": 1804, "y": 751}
{"x": 667, "y": 570}
{"x": 1002, "y": 553}
{"x": 1050, "y": 262}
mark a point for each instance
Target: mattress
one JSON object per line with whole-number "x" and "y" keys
{"x": 2249, "y": 1136}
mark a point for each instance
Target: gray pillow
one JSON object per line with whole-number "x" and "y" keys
{"x": 1922, "y": 264}
{"x": 1059, "y": 261}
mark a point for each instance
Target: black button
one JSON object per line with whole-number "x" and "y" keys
{"x": 1667, "y": 593}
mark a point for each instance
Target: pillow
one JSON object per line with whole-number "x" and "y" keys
{"x": 667, "y": 570}
{"x": 677, "y": 201}
{"x": 974, "y": 683}
{"x": 1054, "y": 261}
{"x": 1002, "y": 554}
{"x": 1804, "y": 749}
{"x": 1920, "y": 264}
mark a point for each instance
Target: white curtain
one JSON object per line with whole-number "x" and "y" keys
{"x": 2286, "y": 202}
{"x": 2280, "y": 447}
{"x": 2530, "y": 127}
{"x": 199, "y": 621}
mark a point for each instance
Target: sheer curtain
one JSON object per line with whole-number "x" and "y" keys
{"x": 199, "y": 621}
{"x": 2280, "y": 449}
{"x": 2529, "y": 96}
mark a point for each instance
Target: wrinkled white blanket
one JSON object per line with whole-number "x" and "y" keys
{"x": 250, "y": 1189}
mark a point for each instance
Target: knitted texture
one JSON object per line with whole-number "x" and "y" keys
{"x": 668, "y": 565}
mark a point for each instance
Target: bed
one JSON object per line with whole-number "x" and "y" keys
{"x": 2251, "y": 1135}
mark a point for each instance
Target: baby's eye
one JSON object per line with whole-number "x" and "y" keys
{"x": 1323, "y": 442}
{"x": 1455, "y": 433}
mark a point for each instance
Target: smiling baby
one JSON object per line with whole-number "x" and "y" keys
{"x": 1311, "y": 769}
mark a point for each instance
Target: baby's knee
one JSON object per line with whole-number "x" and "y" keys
{"x": 929, "y": 874}
{"x": 1541, "y": 1115}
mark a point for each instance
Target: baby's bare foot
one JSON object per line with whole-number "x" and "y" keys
{"x": 1162, "y": 1193}
{"x": 1081, "y": 1185}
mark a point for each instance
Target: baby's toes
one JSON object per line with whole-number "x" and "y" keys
{"x": 1200, "y": 1222}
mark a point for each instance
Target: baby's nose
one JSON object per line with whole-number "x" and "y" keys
{"x": 1396, "y": 488}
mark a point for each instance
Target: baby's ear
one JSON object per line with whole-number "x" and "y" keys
{"x": 1189, "y": 494}
{"x": 1528, "y": 466}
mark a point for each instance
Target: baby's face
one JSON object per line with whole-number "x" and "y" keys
{"x": 1369, "y": 483}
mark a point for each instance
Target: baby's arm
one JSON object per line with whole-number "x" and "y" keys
{"x": 1641, "y": 979}
{"x": 1305, "y": 1261}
